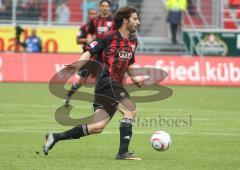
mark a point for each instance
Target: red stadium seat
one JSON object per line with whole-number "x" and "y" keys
{"x": 230, "y": 25}
{"x": 197, "y": 21}
{"x": 234, "y": 3}
{"x": 227, "y": 14}
{"x": 75, "y": 7}
{"x": 238, "y": 14}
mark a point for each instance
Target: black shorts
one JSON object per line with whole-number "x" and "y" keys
{"x": 93, "y": 68}
{"x": 108, "y": 95}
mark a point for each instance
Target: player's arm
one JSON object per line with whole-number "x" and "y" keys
{"x": 82, "y": 36}
{"x": 81, "y": 41}
{"x": 132, "y": 75}
{"x": 91, "y": 30}
{"x": 90, "y": 38}
{"x": 72, "y": 68}
{"x": 83, "y": 59}
{"x": 96, "y": 47}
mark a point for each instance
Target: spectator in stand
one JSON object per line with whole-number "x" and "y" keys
{"x": 31, "y": 10}
{"x": 32, "y": 44}
{"x": 115, "y": 6}
{"x": 44, "y": 10}
{"x": 62, "y": 13}
{"x": 6, "y": 10}
{"x": 191, "y": 7}
{"x": 175, "y": 9}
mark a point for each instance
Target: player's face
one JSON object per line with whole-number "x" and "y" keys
{"x": 92, "y": 14}
{"x": 133, "y": 22}
{"x": 105, "y": 8}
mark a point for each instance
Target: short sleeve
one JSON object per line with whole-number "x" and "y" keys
{"x": 82, "y": 33}
{"x": 97, "y": 47}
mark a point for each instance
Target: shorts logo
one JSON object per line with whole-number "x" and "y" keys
{"x": 93, "y": 44}
{"x": 122, "y": 94}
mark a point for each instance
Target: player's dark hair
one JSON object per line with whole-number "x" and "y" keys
{"x": 123, "y": 13}
{"x": 109, "y": 3}
{"x": 92, "y": 9}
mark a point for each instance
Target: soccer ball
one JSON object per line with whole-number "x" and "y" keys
{"x": 161, "y": 141}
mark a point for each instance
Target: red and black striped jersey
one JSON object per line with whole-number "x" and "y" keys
{"x": 99, "y": 26}
{"x": 116, "y": 53}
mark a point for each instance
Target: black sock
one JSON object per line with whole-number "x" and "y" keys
{"x": 74, "y": 88}
{"x": 74, "y": 133}
{"x": 125, "y": 135}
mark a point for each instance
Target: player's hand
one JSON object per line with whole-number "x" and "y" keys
{"x": 137, "y": 82}
{"x": 68, "y": 71}
{"x": 89, "y": 39}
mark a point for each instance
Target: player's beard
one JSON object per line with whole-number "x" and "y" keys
{"x": 132, "y": 28}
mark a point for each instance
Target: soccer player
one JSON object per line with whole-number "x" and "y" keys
{"x": 83, "y": 31}
{"x": 102, "y": 23}
{"x": 117, "y": 49}
{"x": 97, "y": 28}
{"x": 82, "y": 40}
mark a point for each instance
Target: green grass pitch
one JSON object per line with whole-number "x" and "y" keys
{"x": 209, "y": 138}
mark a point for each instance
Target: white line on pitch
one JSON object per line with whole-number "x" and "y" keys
{"x": 79, "y": 106}
{"x": 136, "y": 132}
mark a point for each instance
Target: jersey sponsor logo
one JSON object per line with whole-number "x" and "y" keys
{"x": 102, "y": 29}
{"x": 93, "y": 44}
{"x": 124, "y": 55}
{"x": 133, "y": 48}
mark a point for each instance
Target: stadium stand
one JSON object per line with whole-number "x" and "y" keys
{"x": 76, "y": 10}
{"x": 231, "y": 14}
{"x": 154, "y": 35}
{"x": 202, "y": 17}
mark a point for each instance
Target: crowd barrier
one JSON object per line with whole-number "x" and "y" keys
{"x": 216, "y": 71}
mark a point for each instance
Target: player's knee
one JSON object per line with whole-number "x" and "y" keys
{"x": 134, "y": 113}
{"x": 97, "y": 130}
{"x": 131, "y": 114}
